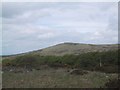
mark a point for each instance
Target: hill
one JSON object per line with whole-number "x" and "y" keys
{"x": 63, "y": 65}
{"x": 69, "y": 48}
{"x": 75, "y": 48}
{"x": 75, "y": 55}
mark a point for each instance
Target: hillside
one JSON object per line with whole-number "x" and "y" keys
{"x": 63, "y": 65}
{"x": 70, "y": 48}
{"x": 74, "y": 48}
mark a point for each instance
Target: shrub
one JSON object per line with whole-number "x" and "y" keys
{"x": 88, "y": 61}
{"x": 114, "y": 83}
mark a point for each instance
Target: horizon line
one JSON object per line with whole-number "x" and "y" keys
{"x": 5, "y": 55}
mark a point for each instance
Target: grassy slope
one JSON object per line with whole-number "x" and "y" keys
{"x": 74, "y": 48}
{"x": 69, "y": 48}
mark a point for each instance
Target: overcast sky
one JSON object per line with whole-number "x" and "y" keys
{"x": 32, "y": 26}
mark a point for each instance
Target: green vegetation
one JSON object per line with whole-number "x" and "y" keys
{"x": 63, "y": 66}
{"x": 100, "y": 61}
{"x": 113, "y": 83}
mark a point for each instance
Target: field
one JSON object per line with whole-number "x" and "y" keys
{"x": 55, "y": 78}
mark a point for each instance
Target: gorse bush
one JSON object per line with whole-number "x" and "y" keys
{"x": 90, "y": 61}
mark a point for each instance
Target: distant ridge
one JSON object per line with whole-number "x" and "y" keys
{"x": 70, "y": 48}
{"x": 74, "y": 48}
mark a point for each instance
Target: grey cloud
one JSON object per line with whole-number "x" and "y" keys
{"x": 12, "y": 9}
{"x": 29, "y": 26}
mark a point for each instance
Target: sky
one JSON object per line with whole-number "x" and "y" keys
{"x": 28, "y": 26}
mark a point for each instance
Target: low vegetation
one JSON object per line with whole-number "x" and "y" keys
{"x": 93, "y": 61}
{"x": 113, "y": 83}
{"x": 55, "y": 78}
{"x": 86, "y": 70}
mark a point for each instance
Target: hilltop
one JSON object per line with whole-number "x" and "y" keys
{"x": 70, "y": 48}
{"x": 75, "y": 48}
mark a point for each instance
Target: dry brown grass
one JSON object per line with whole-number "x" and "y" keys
{"x": 54, "y": 78}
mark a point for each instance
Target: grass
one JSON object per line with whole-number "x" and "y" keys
{"x": 55, "y": 78}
